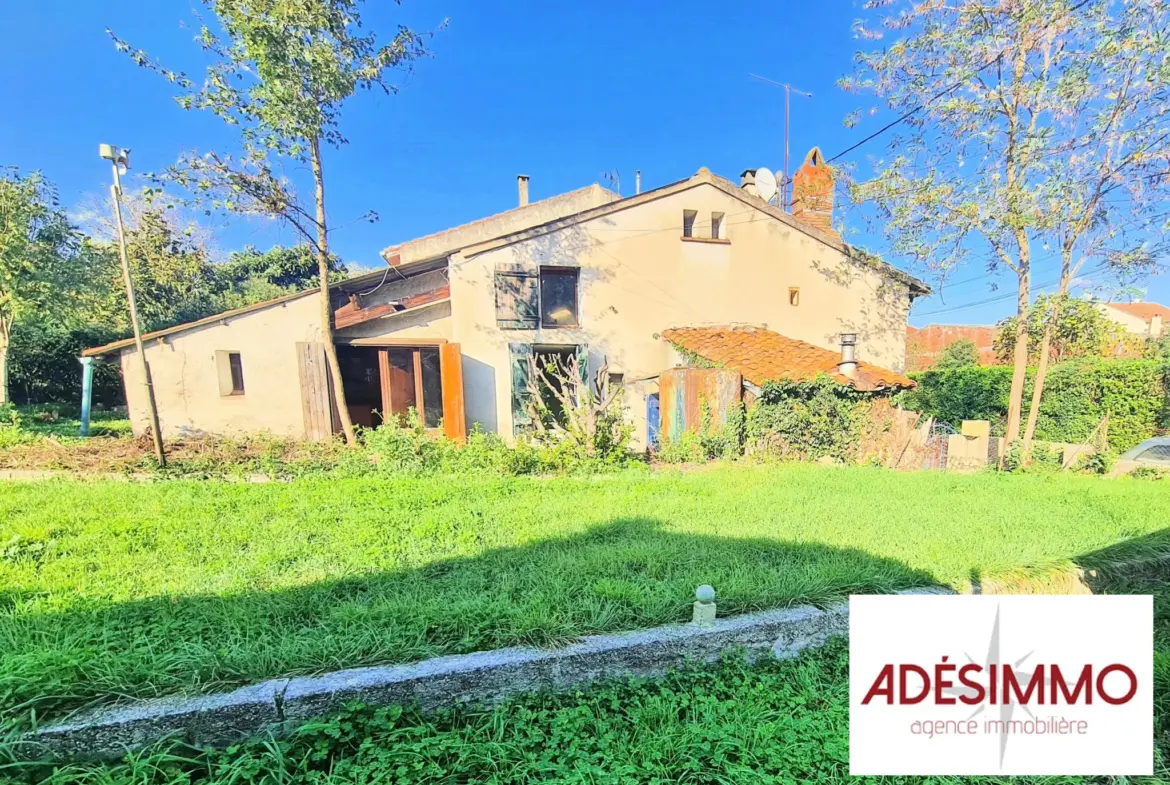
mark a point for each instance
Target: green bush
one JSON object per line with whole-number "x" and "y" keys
{"x": 11, "y": 431}
{"x": 414, "y": 451}
{"x": 807, "y": 420}
{"x": 1077, "y": 395}
{"x": 43, "y": 366}
{"x": 709, "y": 441}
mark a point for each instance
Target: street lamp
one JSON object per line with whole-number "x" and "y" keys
{"x": 120, "y": 161}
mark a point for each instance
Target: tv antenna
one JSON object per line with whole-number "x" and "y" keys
{"x": 786, "y": 182}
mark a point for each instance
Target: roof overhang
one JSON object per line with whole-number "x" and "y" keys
{"x": 346, "y": 285}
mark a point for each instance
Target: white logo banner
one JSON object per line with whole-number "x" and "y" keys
{"x": 1001, "y": 685}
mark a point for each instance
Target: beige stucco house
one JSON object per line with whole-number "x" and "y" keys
{"x": 1148, "y": 320}
{"x": 446, "y": 328}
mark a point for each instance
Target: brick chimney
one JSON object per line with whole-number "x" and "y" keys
{"x": 812, "y": 192}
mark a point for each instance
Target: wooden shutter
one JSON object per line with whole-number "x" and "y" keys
{"x": 583, "y": 365}
{"x": 451, "y": 372}
{"x": 517, "y": 297}
{"x": 520, "y": 352}
{"x": 316, "y": 401}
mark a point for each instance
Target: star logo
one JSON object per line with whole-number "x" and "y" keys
{"x": 1008, "y": 707}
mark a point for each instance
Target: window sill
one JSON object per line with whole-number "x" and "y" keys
{"x": 714, "y": 240}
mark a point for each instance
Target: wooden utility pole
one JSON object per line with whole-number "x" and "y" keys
{"x": 118, "y": 159}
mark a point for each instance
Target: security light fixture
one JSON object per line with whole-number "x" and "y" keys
{"x": 115, "y": 155}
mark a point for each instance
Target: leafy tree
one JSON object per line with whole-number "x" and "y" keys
{"x": 1030, "y": 125}
{"x": 250, "y": 276}
{"x": 1080, "y": 330}
{"x": 173, "y": 279}
{"x": 960, "y": 354}
{"x": 281, "y": 71}
{"x": 37, "y": 247}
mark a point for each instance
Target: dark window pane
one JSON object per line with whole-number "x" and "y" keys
{"x": 689, "y": 222}
{"x": 237, "y": 367}
{"x": 558, "y": 297}
{"x": 432, "y": 384}
{"x": 359, "y": 376}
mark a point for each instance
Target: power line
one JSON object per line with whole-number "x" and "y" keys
{"x": 1007, "y": 296}
{"x": 913, "y": 111}
{"x": 943, "y": 92}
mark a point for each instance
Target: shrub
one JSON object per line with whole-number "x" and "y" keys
{"x": 687, "y": 449}
{"x": 1149, "y": 473}
{"x": 577, "y": 419}
{"x": 43, "y": 366}
{"x": 11, "y": 434}
{"x": 807, "y": 420}
{"x": 1077, "y": 395}
{"x": 960, "y": 354}
{"x": 1095, "y": 463}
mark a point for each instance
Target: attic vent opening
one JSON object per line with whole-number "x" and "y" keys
{"x": 814, "y": 158}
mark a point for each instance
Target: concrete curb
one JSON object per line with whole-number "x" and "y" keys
{"x": 480, "y": 678}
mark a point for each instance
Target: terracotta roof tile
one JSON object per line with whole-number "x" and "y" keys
{"x": 762, "y": 355}
{"x": 1143, "y": 311}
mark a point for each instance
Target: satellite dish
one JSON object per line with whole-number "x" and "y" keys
{"x": 765, "y": 183}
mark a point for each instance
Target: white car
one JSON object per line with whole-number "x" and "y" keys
{"x": 1154, "y": 453}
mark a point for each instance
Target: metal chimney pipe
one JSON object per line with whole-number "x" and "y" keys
{"x": 848, "y": 364}
{"x": 638, "y": 181}
{"x": 522, "y": 185}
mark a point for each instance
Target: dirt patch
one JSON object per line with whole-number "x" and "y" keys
{"x": 108, "y": 455}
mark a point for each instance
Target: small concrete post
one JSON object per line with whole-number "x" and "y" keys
{"x": 704, "y": 612}
{"x": 86, "y": 392}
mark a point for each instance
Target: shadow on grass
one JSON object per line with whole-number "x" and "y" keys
{"x": 628, "y": 573}
{"x": 1129, "y": 564}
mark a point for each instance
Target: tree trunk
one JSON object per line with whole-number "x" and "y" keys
{"x": 326, "y": 303}
{"x": 1020, "y": 358}
{"x": 4, "y": 333}
{"x": 1042, "y": 365}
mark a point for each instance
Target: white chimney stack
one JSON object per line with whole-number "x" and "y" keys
{"x": 522, "y": 184}
{"x": 747, "y": 181}
{"x": 848, "y": 364}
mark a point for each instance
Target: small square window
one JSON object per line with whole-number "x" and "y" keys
{"x": 716, "y": 226}
{"x": 689, "y": 217}
{"x": 229, "y": 368}
{"x": 794, "y": 296}
{"x": 558, "y": 296}
{"x": 617, "y": 379}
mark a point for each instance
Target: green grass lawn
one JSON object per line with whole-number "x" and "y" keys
{"x": 783, "y": 722}
{"x": 114, "y": 589}
{"x": 64, "y": 423}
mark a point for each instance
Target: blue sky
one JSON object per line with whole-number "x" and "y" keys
{"x": 561, "y": 92}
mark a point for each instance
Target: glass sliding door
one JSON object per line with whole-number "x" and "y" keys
{"x": 412, "y": 383}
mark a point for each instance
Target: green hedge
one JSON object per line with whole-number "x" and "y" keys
{"x": 43, "y": 366}
{"x": 1077, "y": 395}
